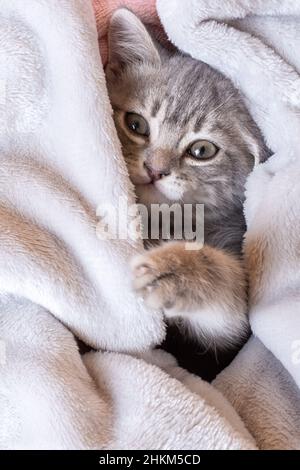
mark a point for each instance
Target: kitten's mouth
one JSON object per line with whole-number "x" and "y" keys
{"x": 148, "y": 184}
{"x": 143, "y": 181}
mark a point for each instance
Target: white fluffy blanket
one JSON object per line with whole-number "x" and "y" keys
{"x": 60, "y": 159}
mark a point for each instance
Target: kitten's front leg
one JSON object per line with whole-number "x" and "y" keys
{"x": 205, "y": 287}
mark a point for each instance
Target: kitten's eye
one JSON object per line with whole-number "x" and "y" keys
{"x": 203, "y": 150}
{"x": 137, "y": 124}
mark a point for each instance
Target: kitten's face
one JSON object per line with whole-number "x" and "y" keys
{"x": 185, "y": 132}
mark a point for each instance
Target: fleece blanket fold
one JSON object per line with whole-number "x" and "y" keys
{"x": 60, "y": 160}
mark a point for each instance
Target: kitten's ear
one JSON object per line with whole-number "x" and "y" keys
{"x": 129, "y": 41}
{"x": 257, "y": 147}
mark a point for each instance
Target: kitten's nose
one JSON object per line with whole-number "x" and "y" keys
{"x": 154, "y": 173}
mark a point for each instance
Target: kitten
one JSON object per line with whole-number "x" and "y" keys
{"x": 186, "y": 136}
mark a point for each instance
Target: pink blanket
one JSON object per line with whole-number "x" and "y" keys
{"x": 145, "y": 9}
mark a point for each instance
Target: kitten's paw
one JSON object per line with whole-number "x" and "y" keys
{"x": 156, "y": 278}
{"x": 206, "y": 287}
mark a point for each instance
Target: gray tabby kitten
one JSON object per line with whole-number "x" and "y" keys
{"x": 187, "y": 137}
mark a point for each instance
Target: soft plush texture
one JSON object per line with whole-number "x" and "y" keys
{"x": 60, "y": 159}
